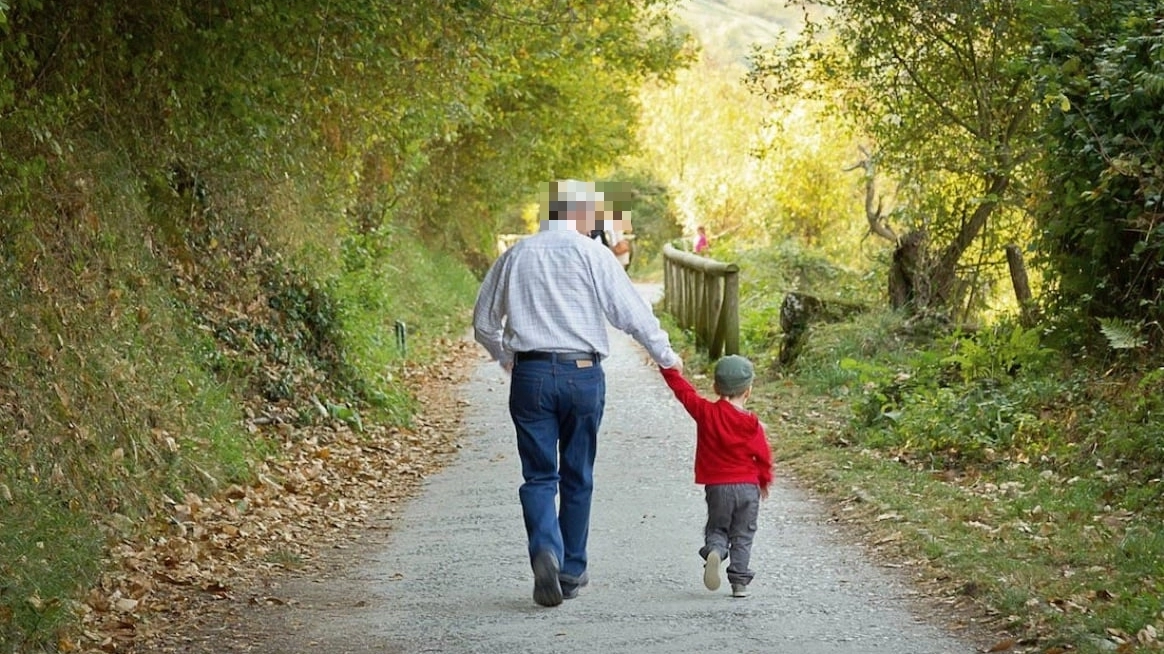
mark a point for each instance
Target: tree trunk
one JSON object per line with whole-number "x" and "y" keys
{"x": 1022, "y": 286}
{"x": 799, "y": 310}
{"x": 943, "y": 277}
{"x": 909, "y": 287}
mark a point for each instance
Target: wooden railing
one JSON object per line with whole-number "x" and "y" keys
{"x": 704, "y": 296}
{"x": 506, "y": 241}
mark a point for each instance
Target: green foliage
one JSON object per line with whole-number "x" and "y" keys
{"x": 184, "y": 233}
{"x": 987, "y": 399}
{"x": 695, "y": 138}
{"x": 805, "y": 155}
{"x": 1044, "y": 483}
{"x": 127, "y": 360}
{"x": 653, "y": 216}
{"x": 443, "y": 114}
{"x": 752, "y": 177}
{"x": 941, "y": 94}
{"x": 107, "y": 402}
{"x": 1100, "y": 220}
{"x": 390, "y": 277}
{"x": 767, "y": 274}
{"x": 996, "y": 353}
{"x": 967, "y": 398}
{"x": 1121, "y": 334}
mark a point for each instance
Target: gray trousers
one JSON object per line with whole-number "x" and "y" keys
{"x": 732, "y": 511}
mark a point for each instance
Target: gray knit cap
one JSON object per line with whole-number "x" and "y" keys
{"x": 733, "y": 375}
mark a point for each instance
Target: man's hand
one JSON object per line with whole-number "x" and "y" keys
{"x": 678, "y": 366}
{"x": 507, "y": 366}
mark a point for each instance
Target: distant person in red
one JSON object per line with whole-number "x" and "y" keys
{"x": 733, "y": 462}
{"x": 701, "y": 243}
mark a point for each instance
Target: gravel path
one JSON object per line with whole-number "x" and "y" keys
{"x": 451, "y": 574}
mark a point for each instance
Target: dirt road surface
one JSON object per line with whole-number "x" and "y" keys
{"x": 450, "y": 572}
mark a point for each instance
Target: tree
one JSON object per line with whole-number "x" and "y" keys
{"x": 1102, "y": 217}
{"x": 942, "y": 91}
{"x": 380, "y": 111}
{"x": 696, "y": 137}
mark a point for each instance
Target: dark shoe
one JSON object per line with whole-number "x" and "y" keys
{"x": 571, "y": 585}
{"x": 547, "y": 589}
{"x": 711, "y": 571}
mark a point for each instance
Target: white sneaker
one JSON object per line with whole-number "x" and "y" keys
{"x": 739, "y": 590}
{"x": 711, "y": 571}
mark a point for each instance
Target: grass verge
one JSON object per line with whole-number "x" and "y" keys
{"x": 154, "y": 350}
{"x": 1030, "y": 501}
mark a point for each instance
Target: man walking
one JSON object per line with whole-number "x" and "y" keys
{"x": 541, "y": 312}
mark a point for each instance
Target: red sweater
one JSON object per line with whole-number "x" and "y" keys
{"x": 730, "y": 445}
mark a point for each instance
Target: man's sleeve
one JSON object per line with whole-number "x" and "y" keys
{"x": 489, "y": 312}
{"x": 629, "y": 312}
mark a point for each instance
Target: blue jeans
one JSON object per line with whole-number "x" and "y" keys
{"x": 556, "y": 408}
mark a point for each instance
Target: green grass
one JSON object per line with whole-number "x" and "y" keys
{"x": 48, "y": 552}
{"x": 1029, "y": 553}
{"x": 284, "y": 558}
{"x": 126, "y": 363}
{"x": 391, "y": 278}
{"x": 1051, "y": 533}
{"x": 106, "y": 403}
{"x": 1059, "y": 546}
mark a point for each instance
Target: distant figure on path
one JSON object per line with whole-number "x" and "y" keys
{"x": 733, "y": 461}
{"x": 541, "y": 312}
{"x": 701, "y": 243}
{"x": 620, "y": 239}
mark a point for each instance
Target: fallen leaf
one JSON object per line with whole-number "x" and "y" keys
{"x": 1147, "y": 635}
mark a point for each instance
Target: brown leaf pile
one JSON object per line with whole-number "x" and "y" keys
{"x": 318, "y": 492}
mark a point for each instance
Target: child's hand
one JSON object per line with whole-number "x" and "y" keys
{"x": 763, "y": 492}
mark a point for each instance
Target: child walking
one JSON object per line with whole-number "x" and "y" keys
{"x": 733, "y": 462}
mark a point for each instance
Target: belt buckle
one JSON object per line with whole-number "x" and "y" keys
{"x": 584, "y": 363}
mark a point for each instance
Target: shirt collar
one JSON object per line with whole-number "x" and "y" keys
{"x": 559, "y": 226}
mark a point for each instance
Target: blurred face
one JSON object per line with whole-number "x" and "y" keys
{"x": 582, "y": 213}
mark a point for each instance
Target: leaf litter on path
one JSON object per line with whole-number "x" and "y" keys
{"x": 209, "y": 555}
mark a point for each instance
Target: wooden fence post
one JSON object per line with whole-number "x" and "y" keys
{"x": 667, "y": 286}
{"x": 731, "y": 311}
{"x": 703, "y": 295}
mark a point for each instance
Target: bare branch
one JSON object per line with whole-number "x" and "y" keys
{"x": 877, "y": 223}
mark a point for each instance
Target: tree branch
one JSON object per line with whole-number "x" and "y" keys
{"x": 877, "y": 223}
{"x": 931, "y": 96}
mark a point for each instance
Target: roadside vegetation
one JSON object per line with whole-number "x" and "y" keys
{"x": 1003, "y": 449}
{"x": 218, "y": 275}
{"x": 232, "y": 234}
